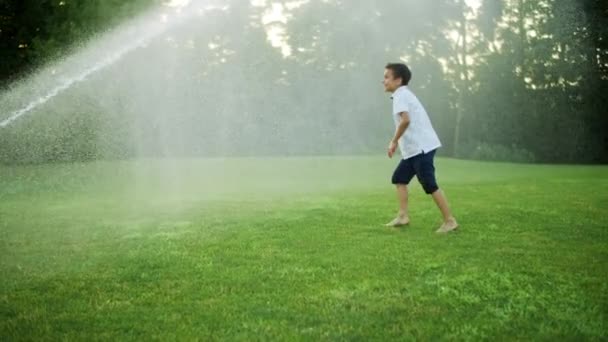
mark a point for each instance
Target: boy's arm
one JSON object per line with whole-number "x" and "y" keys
{"x": 403, "y": 124}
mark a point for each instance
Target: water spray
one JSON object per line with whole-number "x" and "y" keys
{"x": 136, "y": 34}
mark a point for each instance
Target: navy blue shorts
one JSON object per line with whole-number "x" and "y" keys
{"x": 420, "y": 166}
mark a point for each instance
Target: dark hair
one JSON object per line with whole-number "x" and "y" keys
{"x": 401, "y": 71}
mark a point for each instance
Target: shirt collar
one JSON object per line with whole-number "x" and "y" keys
{"x": 402, "y": 88}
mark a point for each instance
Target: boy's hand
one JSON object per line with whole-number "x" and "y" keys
{"x": 392, "y": 146}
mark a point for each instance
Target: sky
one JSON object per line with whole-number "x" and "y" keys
{"x": 277, "y": 15}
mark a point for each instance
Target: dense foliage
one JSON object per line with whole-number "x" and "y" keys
{"x": 517, "y": 80}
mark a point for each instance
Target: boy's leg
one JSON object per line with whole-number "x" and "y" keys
{"x": 449, "y": 222}
{"x": 425, "y": 171}
{"x": 401, "y": 177}
{"x": 403, "y": 200}
{"x": 403, "y": 215}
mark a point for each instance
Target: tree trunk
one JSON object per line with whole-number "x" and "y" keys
{"x": 464, "y": 78}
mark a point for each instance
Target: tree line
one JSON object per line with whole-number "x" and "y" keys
{"x": 517, "y": 80}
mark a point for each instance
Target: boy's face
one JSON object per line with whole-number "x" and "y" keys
{"x": 390, "y": 82}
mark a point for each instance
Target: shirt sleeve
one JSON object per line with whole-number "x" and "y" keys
{"x": 400, "y": 103}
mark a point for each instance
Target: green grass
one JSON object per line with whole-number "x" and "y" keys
{"x": 294, "y": 249}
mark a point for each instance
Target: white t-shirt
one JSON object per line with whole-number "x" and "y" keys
{"x": 419, "y": 136}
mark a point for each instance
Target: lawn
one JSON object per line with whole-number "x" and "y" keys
{"x": 295, "y": 249}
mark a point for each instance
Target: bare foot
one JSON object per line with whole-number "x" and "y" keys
{"x": 448, "y": 226}
{"x": 399, "y": 221}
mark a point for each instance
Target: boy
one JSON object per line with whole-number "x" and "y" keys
{"x": 418, "y": 142}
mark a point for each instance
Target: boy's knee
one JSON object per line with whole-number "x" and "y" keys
{"x": 429, "y": 184}
{"x": 430, "y": 189}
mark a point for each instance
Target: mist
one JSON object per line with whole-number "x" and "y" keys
{"x": 239, "y": 78}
